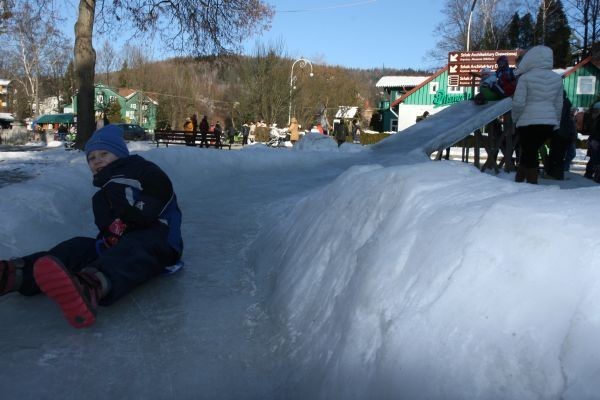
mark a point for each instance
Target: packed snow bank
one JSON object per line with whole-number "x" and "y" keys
{"x": 314, "y": 141}
{"x": 436, "y": 281}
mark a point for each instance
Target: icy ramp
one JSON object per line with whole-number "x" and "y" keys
{"x": 444, "y": 128}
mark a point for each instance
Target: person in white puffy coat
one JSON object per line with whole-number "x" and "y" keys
{"x": 536, "y": 107}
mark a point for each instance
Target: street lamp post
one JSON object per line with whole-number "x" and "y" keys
{"x": 302, "y": 62}
{"x": 469, "y": 26}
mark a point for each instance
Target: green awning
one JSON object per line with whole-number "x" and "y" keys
{"x": 67, "y": 118}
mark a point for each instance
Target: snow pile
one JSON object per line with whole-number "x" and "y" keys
{"x": 436, "y": 281}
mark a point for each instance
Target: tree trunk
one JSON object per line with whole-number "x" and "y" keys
{"x": 85, "y": 62}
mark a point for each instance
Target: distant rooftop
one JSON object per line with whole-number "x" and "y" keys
{"x": 400, "y": 81}
{"x": 346, "y": 112}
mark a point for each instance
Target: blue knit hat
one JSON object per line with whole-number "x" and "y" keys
{"x": 109, "y": 138}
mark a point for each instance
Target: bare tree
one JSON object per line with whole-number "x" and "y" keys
{"x": 55, "y": 66}
{"x": 189, "y": 26}
{"x": 265, "y": 90}
{"x": 32, "y": 44}
{"x": 584, "y": 16}
{"x": 107, "y": 59}
{"x": 490, "y": 20}
{"x": 6, "y": 13}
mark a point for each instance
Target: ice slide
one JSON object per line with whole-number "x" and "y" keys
{"x": 444, "y": 128}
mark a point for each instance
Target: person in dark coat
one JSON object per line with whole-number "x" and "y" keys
{"x": 230, "y": 130}
{"x": 245, "y": 133}
{"x": 507, "y": 81}
{"x": 560, "y": 141}
{"x": 341, "y": 132}
{"x": 139, "y": 224}
{"x": 194, "y": 128}
{"x": 218, "y": 131}
{"x": 592, "y": 168}
{"x": 204, "y": 128}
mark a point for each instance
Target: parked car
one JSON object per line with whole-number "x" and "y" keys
{"x": 5, "y": 124}
{"x": 6, "y": 120}
{"x": 132, "y": 132}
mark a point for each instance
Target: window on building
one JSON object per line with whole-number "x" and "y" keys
{"x": 100, "y": 99}
{"x": 455, "y": 89}
{"x": 130, "y": 114}
{"x": 394, "y": 125}
{"x": 433, "y": 87}
{"x": 112, "y": 98}
{"x": 134, "y": 106}
{"x": 144, "y": 107}
{"x": 586, "y": 84}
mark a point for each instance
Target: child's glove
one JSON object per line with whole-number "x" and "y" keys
{"x": 114, "y": 232}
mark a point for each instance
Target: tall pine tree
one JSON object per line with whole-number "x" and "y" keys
{"x": 123, "y": 73}
{"x": 113, "y": 112}
{"x": 526, "y": 32}
{"x": 552, "y": 29}
{"x": 514, "y": 32}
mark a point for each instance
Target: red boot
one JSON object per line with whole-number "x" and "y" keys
{"x": 76, "y": 294}
{"x": 11, "y": 275}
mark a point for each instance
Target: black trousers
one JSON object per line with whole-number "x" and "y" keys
{"x": 137, "y": 257}
{"x": 558, "y": 152}
{"x": 203, "y": 140}
{"x": 531, "y": 137}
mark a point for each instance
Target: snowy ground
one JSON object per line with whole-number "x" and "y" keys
{"x": 320, "y": 273}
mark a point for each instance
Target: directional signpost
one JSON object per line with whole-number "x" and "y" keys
{"x": 463, "y": 65}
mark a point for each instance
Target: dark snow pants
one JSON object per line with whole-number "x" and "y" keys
{"x": 137, "y": 257}
{"x": 531, "y": 137}
{"x": 556, "y": 158}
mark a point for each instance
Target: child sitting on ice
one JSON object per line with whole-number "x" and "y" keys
{"x": 139, "y": 223}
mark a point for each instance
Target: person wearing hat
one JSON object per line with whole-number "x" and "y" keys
{"x": 139, "y": 224}
{"x": 505, "y": 75}
{"x": 188, "y": 130}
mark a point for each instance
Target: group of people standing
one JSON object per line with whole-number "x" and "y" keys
{"x": 541, "y": 111}
{"x": 341, "y": 131}
{"x": 191, "y": 129}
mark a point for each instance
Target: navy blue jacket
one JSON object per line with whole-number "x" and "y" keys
{"x": 139, "y": 193}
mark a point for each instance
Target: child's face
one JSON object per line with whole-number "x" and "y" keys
{"x": 98, "y": 159}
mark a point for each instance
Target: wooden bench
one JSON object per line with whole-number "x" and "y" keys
{"x": 179, "y": 137}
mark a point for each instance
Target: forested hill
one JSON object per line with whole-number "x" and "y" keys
{"x": 249, "y": 88}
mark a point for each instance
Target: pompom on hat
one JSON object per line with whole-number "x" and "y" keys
{"x": 109, "y": 138}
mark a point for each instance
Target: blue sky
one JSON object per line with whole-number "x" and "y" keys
{"x": 350, "y": 33}
{"x": 357, "y": 33}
